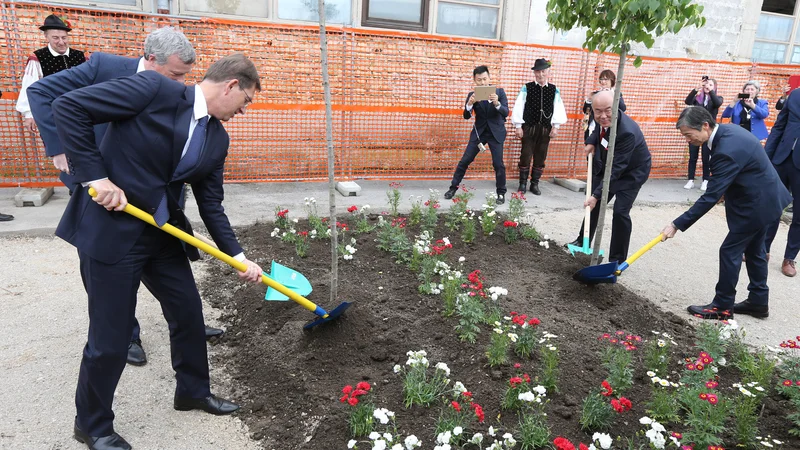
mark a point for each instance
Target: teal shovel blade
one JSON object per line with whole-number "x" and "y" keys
{"x": 290, "y": 278}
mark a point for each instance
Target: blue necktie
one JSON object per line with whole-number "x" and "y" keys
{"x": 186, "y": 164}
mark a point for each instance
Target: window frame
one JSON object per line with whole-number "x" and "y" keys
{"x": 500, "y": 17}
{"x": 422, "y": 26}
{"x": 104, "y": 5}
{"x": 793, "y": 36}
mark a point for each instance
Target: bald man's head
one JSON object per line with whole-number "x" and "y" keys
{"x": 601, "y": 104}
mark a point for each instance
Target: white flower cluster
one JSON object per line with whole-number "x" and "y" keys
{"x": 533, "y": 396}
{"x": 545, "y": 339}
{"x": 349, "y": 250}
{"x": 746, "y": 392}
{"x": 728, "y": 329}
{"x": 603, "y": 440}
{"x": 422, "y": 243}
{"x": 383, "y": 415}
{"x": 665, "y": 336}
{"x": 657, "y": 433}
{"x": 309, "y": 201}
{"x": 545, "y": 244}
{"x": 766, "y": 441}
{"x": 276, "y": 232}
{"x": 663, "y": 382}
{"x": 497, "y": 291}
{"x": 443, "y": 367}
{"x": 383, "y": 441}
{"x": 418, "y": 358}
{"x": 459, "y": 387}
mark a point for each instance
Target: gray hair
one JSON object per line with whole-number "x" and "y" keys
{"x": 694, "y": 117}
{"x": 167, "y": 41}
{"x": 753, "y": 83}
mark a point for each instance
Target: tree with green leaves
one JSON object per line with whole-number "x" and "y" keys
{"x": 612, "y": 25}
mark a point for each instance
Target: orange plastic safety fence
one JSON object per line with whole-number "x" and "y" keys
{"x": 397, "y": 97}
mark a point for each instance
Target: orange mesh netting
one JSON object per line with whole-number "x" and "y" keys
{"x": 397, "y": 96}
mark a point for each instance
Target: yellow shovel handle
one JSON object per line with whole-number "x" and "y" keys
{"x": 213, "y": 251}
{"x": 641, "y": 252}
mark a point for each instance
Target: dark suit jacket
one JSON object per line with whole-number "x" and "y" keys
{"x": 631, "y": 166}
{"x": 486, "y": 115}
{"x": 148, "y": 116}
{"x": 714, "y": 102}
{"x": 782, "y": 140}
{"x": 740, "y": 169}
{"x": 41, "y": 94}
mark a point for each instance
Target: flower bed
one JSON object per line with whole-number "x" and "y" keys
{"x": 546, "y": 362}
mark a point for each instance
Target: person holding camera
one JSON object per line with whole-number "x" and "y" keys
{"x": 705, "y": 96}
{"x": 607, "y": 81}
{"x": 489, "y": 128}
{"x": 749, "y": 111}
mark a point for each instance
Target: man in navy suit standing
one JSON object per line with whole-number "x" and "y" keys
{"x": 754, "y": 199}
{"x": 489, "y": 128}
{"x": 168, "y": 52}
{"x": 162, "y": 134}
{"x": 784, "y": 153}
{"x": 630, "y": 169}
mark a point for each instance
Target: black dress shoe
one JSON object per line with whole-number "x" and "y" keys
{"x": 710, "y": 311}
{"x": 136, "y": 355}
{"x": 211, "y": 404}
{"x": 213, "y": 332}
{"x": 535, "y": 189}
{"x": 450, "y": 193}
{"x": 501, "y": 198}
{"x": 751, "y": 309}
{"x": 111, "y": 442}
{"x": 6, "y": 217}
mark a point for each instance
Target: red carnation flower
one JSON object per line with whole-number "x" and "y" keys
{"x": 478, "y": 412}
{"x": 455, "y": 406}
{"x": 352, "y": 209}
{"x": 359, "y": 392}
{"x": 608, "y": 390}
{"x": 344, "y": 398}
{"x": 563, "y": 444}
{"x": 515, "y": 381}
{"x": 363, "y": 386}
{"x": 347, "y": 389}
{"x": 517, "y": 365}
{"x": 352, "y": 401}
{"x": 626, "y": 403}
{"x": 467, "y": 394}
{"x": 534, "y": 322}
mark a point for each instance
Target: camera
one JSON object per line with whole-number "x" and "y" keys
{"x": 743, "y": 96}
{"x": 705, "y": 78}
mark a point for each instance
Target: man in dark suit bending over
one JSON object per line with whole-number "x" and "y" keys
{"x": 168, "y": 52}
{"x": 162, "y": 134}
{"x": 754, "y": 199}
{"x": 629, "y": 171}
{"x": 489, "y": 128}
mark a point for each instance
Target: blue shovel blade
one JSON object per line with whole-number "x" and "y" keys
{"x": 332, "y": 315}
{"x": 601, "y": 273}
{"x": 290, "y": 278}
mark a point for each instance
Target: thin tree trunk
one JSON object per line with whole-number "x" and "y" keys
{"x": 323, "y": 41}
{"x": 603, "y": 203}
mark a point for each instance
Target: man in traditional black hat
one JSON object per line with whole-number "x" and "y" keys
{"x": 53, "y": 58}
{"x": 538, "y": 112}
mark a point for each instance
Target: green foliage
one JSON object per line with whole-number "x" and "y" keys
{"x": 617, "y": 361}
{"x": 471, "y": 313}
{"x": 469, "y": 229}
{"x": 614, "y": 24}
{"x": 663, "y": 405}
{"x": 596, "y": 413}
{"x": 393, "y": 239}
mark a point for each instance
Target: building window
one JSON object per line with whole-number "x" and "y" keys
{"x": 468, "y": 19}
{"x": 777, "y": 29}
{"x": 227, "y": 7}
{"x": 396, "y": 14}
{"x": 336, "y": 11}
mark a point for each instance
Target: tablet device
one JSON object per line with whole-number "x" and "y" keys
{"x": 483, "y": 92}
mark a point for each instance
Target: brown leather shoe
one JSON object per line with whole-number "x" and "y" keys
{"x": 788, "y": 268}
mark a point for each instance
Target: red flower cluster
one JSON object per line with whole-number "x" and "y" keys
{"x": 788, "y": 383}
{"x": 475, "y": 284}
{"x": 715, "y": 447}
{"x": 711, "y": 384}
{"x": 395, "y": 185}
{"x": 628, "y": 341}
{"x": 516, "y": 381}
{"x": 790, "y": 343}
{"x": 340, "y": 225}
{"x": 455, "y": 406}
{"x": 302, "y": 233}
{"x": 282, "y": 214}
{"x": 518, "y": 196}
{"x": 399, "y": 222}
{"x": 352, "y": 209}
{"x": 700, "y": 364}
{"x": 476, "y": 408}
{"x": 435, "y": 205}
{"x": 710, "y": 398}
{"x": 510, "y": 224}
{"x": 564, "y": 444}
{"x": 439, "y": 248}
{"x": 621, "y": 405}
{"x": 521, "y": 319}
{"x": 608, "y": 390}
{"x": 351, "y": 395}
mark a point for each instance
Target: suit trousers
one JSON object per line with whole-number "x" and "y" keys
{"x": 693, "y": 151}
{"x": 158, "y": 260}
{"x": 535, "y": 140}
{"x": 730, "y": 264}
{"x": 621, "y": 224}
{"x": 472, "y": 151}
{"x": 790, "y": 176}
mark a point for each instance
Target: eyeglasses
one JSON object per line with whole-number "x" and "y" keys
{"x": 247, "y": 99}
